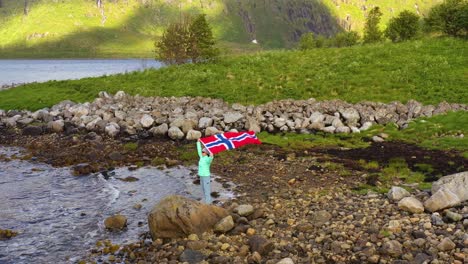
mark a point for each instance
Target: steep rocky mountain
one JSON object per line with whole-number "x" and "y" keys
{"x": 116, "y": 27}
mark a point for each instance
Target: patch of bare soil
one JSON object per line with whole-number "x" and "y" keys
{"x": 441, "y": 162}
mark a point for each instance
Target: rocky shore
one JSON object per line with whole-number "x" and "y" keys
{"x": 291, "y": 206}
{"x": 190, "y": 118}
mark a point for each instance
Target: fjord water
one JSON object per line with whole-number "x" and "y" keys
{"x": 60, "y": 217}
{"x": 26, "y": 71}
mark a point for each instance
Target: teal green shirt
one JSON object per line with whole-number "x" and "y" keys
{"x": 204, "y": 163}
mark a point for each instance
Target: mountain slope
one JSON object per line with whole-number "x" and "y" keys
{"x": 116, "y": 28}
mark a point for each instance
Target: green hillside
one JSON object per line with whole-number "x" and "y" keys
{"x": 429, "y": 70}
{"x": 122, "y": 28}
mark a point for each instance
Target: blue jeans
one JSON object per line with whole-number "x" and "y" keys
{"x": 206, "y": 187}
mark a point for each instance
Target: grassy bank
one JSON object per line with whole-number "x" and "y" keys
{"x": 430, "y": 70}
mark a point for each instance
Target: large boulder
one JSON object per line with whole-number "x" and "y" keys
{"x": 177, "y": 216}
{"x": 351, "y": 116}
{"x": 193, "y": 135}
{"x": 448, "y": 191}
{"x": 115, "y": 222}
{"x": 160, "y": 130}
{"x": 205, "y": 122}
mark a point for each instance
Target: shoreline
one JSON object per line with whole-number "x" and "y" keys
{"x": 305, "y": 208}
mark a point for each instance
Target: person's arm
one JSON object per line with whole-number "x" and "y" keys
{"x": 199, "y": 149}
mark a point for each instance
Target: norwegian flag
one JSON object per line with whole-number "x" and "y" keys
{"x": 229, "y": 140}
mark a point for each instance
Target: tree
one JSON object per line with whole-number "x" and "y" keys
{"x": 403, "y": 27}
{"x": 450, "y": 17}
{"x": 185, "y": 41}
{"x": 372, "y": 33}
{"x": 172, "y": 48}
{"x": 201, "y": 41}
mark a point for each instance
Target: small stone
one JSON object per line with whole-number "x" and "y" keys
{"x": 260, "y": 244}
{"x": 245, "y": 209}
{"x": 392, "y": 248}
{"x": 411, "y": 204}
{"x": 191, "y": 256}
{"x": 453, "y": 216}
{"x": 256, "y": 257}
{"x": 193, "y": 237}
{"x": 137, "y": 206}
{"x": 197, "y": 245}
{"x": 446, "y": 245}
{"x": 286, "y": 261}
{"x": 397, "y": 193}
{"x": 224, "y": 225}
{"x": 225, "y": 246}
{"x": 377, "y": 139}
{"x": 250, "y": 232}
{"x": 437, "y": 219}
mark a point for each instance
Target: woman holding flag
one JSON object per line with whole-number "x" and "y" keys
{"x": 215, "y": 144}
{"x": 204, "y": 171}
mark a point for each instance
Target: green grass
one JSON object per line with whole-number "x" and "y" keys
{"x": 130, "y": 146}
{"x": 75, "y": 28}
{"x": 429, "y": 70}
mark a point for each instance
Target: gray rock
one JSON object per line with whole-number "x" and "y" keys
{"x": 329, "y": 129}
{"x": 175, "y": 133}
{"x": 191, "y": 256}
{"x": 316, "y": 117}
{"x": 25, "y": 121}
{"x": 188, "y": 125}
{"x": 238, "y": 107}
{"x": 456, "y": 183}
{"x": 397, "y": 193}
{"x": 252, "y": 125}
{"x": 319, "y": 218}
{"x": 112, "y": 129}
{"x": 411, "y": 204}
{"x": 193, "y": 135}
{"x": 205, "y": 122}
{"x": 245, "y": 209}
{"x": 453, "y": 216}
{"x": 446, "y": 245}
{"x": 351, "y": 116}
{"x": 56, "y": 126}
{"x": 119, "y": 95}
{"x": 355, "y": 129}
{"x": 178, "y": 122}
{"x": 343, "y": 129}
{"x": 443, "y": 198}
{"x": 231, "y": 117}
{"x": 224, "y": 225}
{"x": 279, "y": 122}
{"x": 337, "y": 122}
{"x": 316, "y": 126}
{"x": 392, "y": 248}
{"x": 79, "y": 110}
{"x": 366, "y": 126}
{"x": 436, "y": 219}
{"x": 209, "y": 131}
{"x": 160, "y": 130}
{"x": 146, "y": 121}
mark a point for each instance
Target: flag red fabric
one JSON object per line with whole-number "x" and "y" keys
{"x": 229, "y": 140}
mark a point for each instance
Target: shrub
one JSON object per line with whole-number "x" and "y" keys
{"x": 403, "y": 27}
{"x": 372, "y": 32}
{"x": 345, "y": 39}
{"x": 310, "y": 41}
{"x": 450, "y": 17}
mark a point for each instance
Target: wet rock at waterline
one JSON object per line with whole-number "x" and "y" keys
{"x": 116, "y": 222}
{"x": 177, "y": 216}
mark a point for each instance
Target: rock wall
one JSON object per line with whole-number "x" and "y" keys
{"x": 192, "y": 117}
